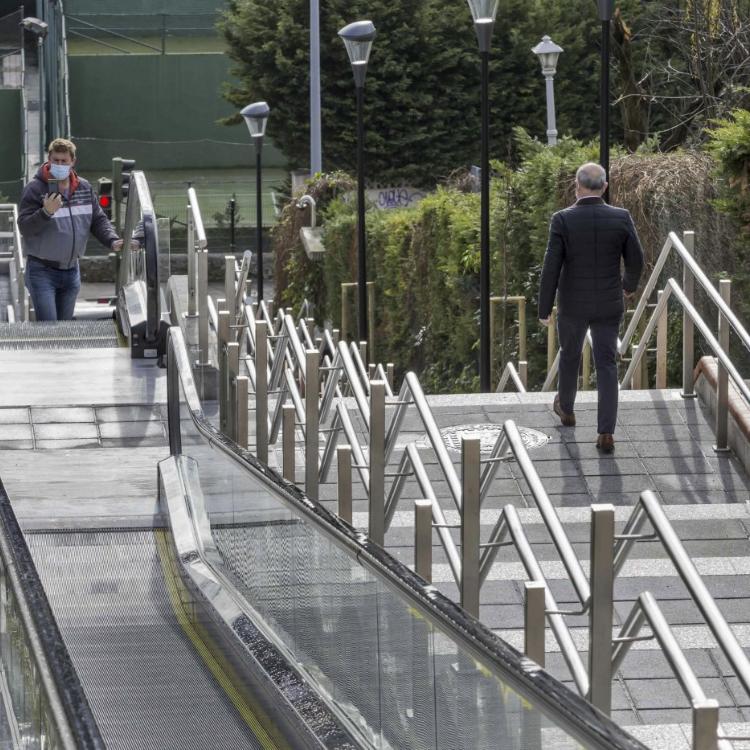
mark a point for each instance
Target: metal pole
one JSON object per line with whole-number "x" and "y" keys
{"x": 232, "y": 220}
{"x": 377, "y": 463}
{"x": 485, "y": 384}
{"x": 242, "y": 408}
{"x": 661, "y": 346}
{"x": 688, "y": 329}
{"x": 371, "y": 316}
{"x": 259, "y": 214}
{"x": 191, "y": 253}
{"x": 229, "y": 281}
{"x": 312, "y": 456}
{"x": 222, "y": 338}
{"x": 705, "y": 724}
{"x": 722, "y": 376}
{"x": 551, "y": 342}
{"x": 344, "y": 464}
{"x": 604, "y": 104}
{"x": 202, "y": 258}
{"x": 601, "y": 609}
{"x": 522, "y": 330}
{"x": 316, "y": 157}
{"x": 173, "y": 400}
{"x": 534, "y": 613}
{"x": 42, "y": 104}
{"x": 551, "y": 124}
{"x": 261, "y": 390}
{"x": 423, "y": 539}
{"x": 361, "y": 237}
{"x": 232, "y": 371}
{"x": 470, "y": 512}
{"x": 289, "y": 414}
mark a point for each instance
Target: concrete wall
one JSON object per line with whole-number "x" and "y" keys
{"x": 160, "y": 110}
{"x": 11, "y": 144}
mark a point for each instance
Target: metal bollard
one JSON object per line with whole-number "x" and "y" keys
{"x": 688, "y": 327}
{"x": 371, "y": 318}
{"x": 706, "y": 724}
{"x": 523, "y": 372}
{"x": 288, "y": 416}
{"x": 371, "y": 370}
{"x": 470, "y": 509}
{"x": 423, "y": 539}
{"x": 261, "y": 391}
{"x": 661, "y": 345}
{"x": 312, "y": 456}
{"x": 222, "y": 338}
{"x": 192, "y": 251}
{"x": 232, "y": 372}
{"x": 202, "y": 271}
{"x": 601, "y": 609}
{"x": 389, "y": 374}
{"x": 586, "y": 366}
{"x": 363, "y": 351}
{"x": 722, "y": 381}
{"x": 229, "y": 281}
{"x": 344, "y": 464}
{"x": 336, "y": 336}
{"x": 376, "y": 525}
{"x": 534, "y": 614}
{"x": 242, "y": 384}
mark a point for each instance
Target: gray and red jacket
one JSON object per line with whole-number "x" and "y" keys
{"x": 61, "y": 238}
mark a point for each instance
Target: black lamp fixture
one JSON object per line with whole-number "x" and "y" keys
{"x": 484, "y": 12}
{"x": 358, "y": 38}
{"x": 256, "y": 117}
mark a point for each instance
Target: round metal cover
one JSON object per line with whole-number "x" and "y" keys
{"x": 488, "y": 434}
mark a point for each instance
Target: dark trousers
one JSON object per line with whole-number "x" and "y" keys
{"x": 572, "y": 334}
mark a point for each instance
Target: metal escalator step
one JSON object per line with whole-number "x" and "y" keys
{"x": 66, "y": 334}
{"x": 146, "y": 683}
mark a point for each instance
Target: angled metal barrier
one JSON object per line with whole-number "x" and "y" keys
{"x": 18, "y": 306}
{"x": 48, "y": 707}
{"x": 339, "y": 605}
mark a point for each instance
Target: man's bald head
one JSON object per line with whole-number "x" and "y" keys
{"x": 591, "y": 179}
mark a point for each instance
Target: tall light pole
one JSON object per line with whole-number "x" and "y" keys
{"x": 358, "y": 38}
{"x": 483, "y": 12}
{"x": 605, "y": 16}
{"x": 316, "y": 149}
{"x": 40, "y": 30}
{"x": 548, "y": 52}
{"x": 256, "y": 117}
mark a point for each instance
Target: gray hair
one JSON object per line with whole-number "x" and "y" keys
{"x": 591, "y": 176}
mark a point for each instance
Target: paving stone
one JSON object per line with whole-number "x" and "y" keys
{"x": 617, "y": 466}
{"x": 663, "y": 448}
{"x": 63, "y": 415}
{"x": 66, "y": 444}
{"x": 14, "y": 416}
{"x": 623, "y": 449}
{"x": 134, "y": 413}
{"x": 9, "y": 432}
{"x": 70, "y": 431}
{"x": 16, "y": 444}
{"x": 143, "y": 442}
{"x": 627, "y": 483}
{"x": 132, "y": 429}
{"x": 653, "y": 664}
{"x": 667, "y": 694}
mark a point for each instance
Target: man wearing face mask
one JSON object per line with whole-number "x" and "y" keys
{"x": 58, "y": 211}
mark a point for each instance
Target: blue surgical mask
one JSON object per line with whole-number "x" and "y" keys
{"x": 60, "y": 171}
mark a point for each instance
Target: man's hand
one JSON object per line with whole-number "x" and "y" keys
{"x": 544, "y": 321}
{"x": 52, "y": 202}
{"x": 629, "y": 296}
{"x": 117, "y": 245}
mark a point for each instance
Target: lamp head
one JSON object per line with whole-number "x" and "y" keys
{"x": 358, "y": 38}
{"x": 547, "y": 52}
{"x": 36, "y": 26}
{"x": 605, "y": 9}
{"x": 256, "y": 117}
{"x": 483, "y": 12}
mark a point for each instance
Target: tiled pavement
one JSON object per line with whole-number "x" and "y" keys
{"x": 664, "y": 443}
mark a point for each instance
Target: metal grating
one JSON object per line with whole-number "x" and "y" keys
{"x": 66, "y": 334}
{"x": 488, "y": 435}
{"x": 147, "y": 686}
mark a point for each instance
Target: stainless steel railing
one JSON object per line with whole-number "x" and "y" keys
{"x": 16, "y": 263}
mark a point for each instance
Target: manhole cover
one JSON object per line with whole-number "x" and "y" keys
{"x": 488, "y": 434}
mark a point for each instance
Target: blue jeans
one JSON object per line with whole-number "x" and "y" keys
{"x": 572, "y": 333}
{"x": 53, "y": 292}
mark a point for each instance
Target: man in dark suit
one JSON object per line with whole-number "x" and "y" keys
{"x": 587, "y": 243}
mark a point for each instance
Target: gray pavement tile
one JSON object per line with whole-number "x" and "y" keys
{"x": 684, "y": 715}
{"x": 677, "y": 465}
{"x": 132, "y": 429}
{"x": 684, "y": 497}
{"x": 655, "y": 432}
{"x": 667, "y": 694}
{"x": 710, "y": 529}
{"x": 15, "y": 444}
{"x": 63, "y": 414}
{"x": 626, "y": 484}
{"x": 623, "y": 449}
{"x": 67, "y": 444}
{"x": 612, "y": 465}
{"x": 625, "y": 718}
{"x": 9, "y": 432}
{"x": 648, "y": 416}
{"x": 738, "y": 692}
{"x": 665, "y": 448}
{"x": 70, "y": 431}
{"x": 547, "y": 469}
{"x": 140, "y": 442}
{"x": 689, "y": 482}
{"x": 133, "y": 413}
{"x": 702, "y": 433}
{"x": 653, "y": 664}
{"x": 14, "y": 416}
{"x": 697, "y": 413}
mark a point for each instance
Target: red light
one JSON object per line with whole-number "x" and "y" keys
{"x": 105, "y": 201}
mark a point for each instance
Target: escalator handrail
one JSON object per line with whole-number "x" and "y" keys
{"x": 74, "y": 719}
{"x": 567, "y": 709}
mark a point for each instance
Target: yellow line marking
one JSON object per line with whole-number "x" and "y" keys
{"x": 247, "y": 712}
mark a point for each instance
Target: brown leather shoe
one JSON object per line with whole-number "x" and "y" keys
{"x": 605, "y": 442}
{"x": 568, "y": 420}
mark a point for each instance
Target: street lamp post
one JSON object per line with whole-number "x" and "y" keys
{"x": 548, "y": 52}
{"x": 316, "y": 156}
{"x": 256, "y": 117}
{"x": 39, "y": 29}
{"x": 483, "y": 12}
{"x": 605, "y": 16}
{"x": 358, "y": 38}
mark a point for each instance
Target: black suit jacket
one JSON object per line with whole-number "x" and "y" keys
{"x": 582, "y": 262}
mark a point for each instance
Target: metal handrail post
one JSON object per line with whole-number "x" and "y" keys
{"x": 312, "y": 425}
{"x": 376, "y": 525}
{"x": 230, "y": 291}
{"x": 688, "y": 331}
{"x": 288, "y": 443}
{"x": 470, "y": 524}
{"x": 601, "y": 611}
{"x": 222, "y": 339}
{"x": 242, "y": 407}
{"x": 202, "y": 270}
{"x": 344, "y": 482}
{"x": 232, "y": 372}
{"x": 173, "y": 400}
{"x": 722, "y": 376}
{"x": 661, "y": 346}
{"x": 534, "y": 624}
{"x": 423, "y": 539}
{"x": 191, "y": 250}
{"x": 261, "y": 390}
{"x": 705, "y": 724}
